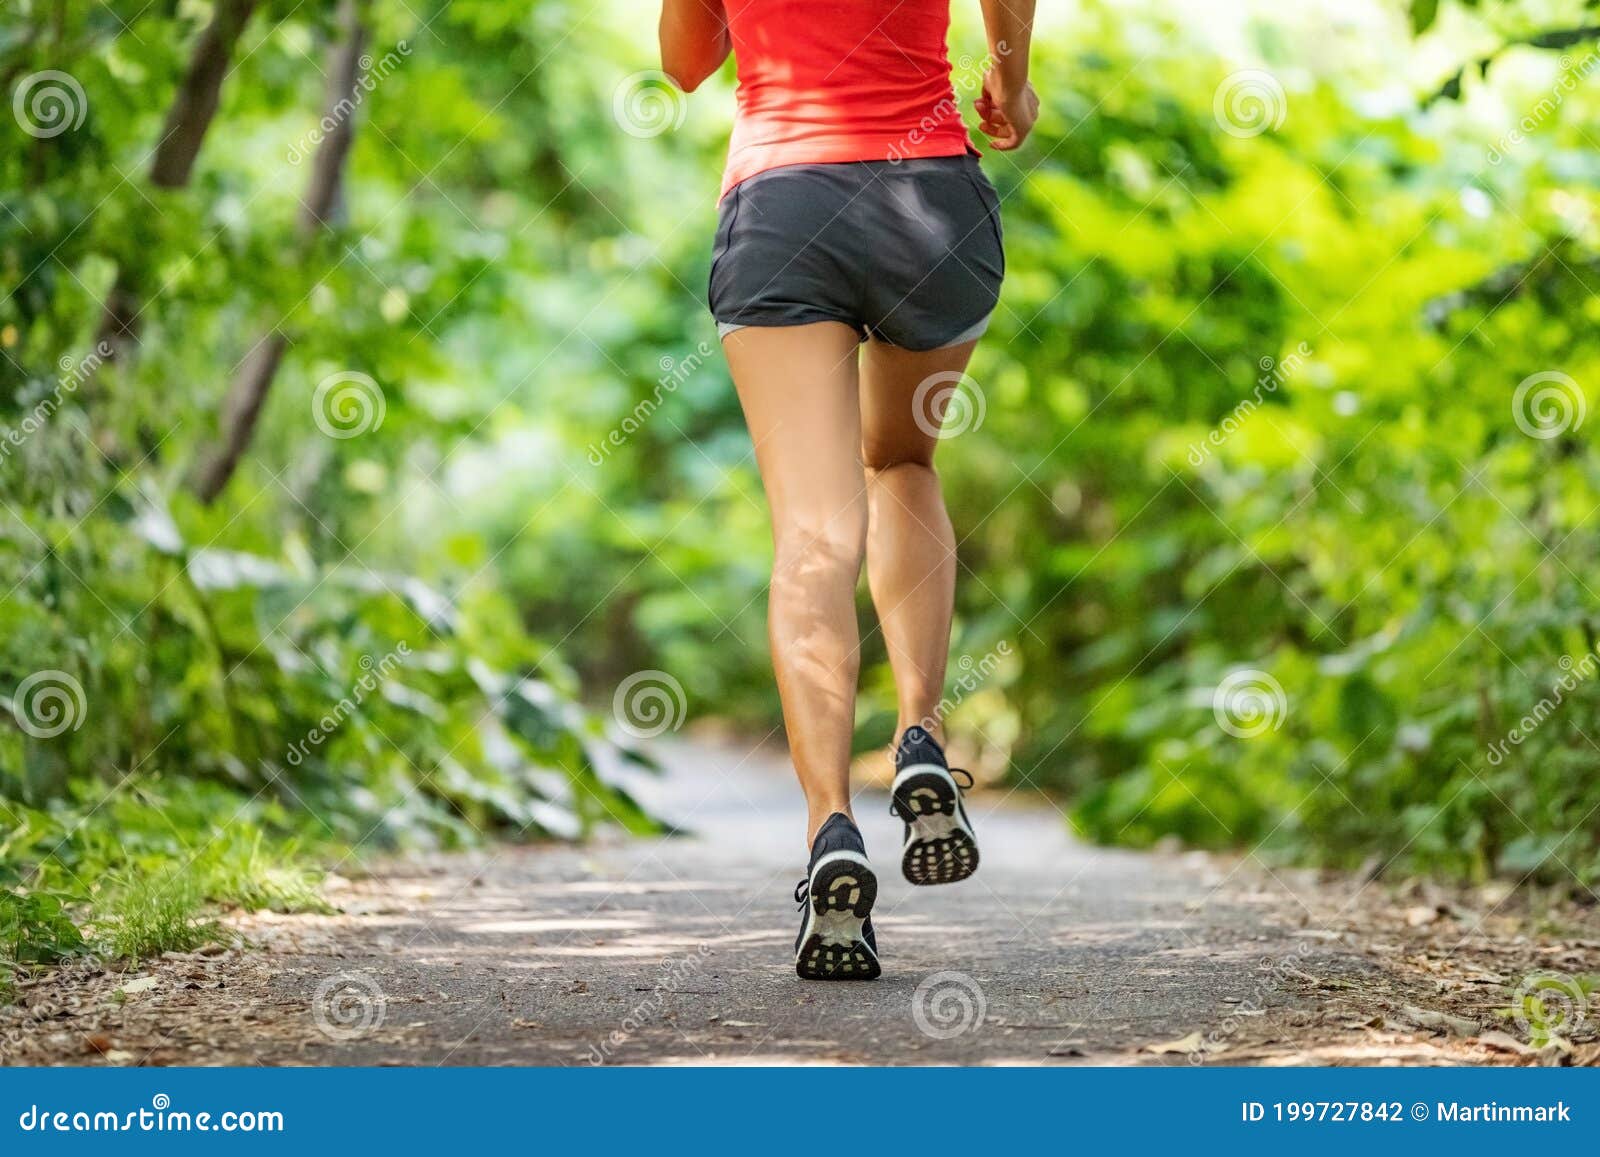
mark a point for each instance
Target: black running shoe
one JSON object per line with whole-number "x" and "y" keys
{"x": 836, "y": 940}
{"x": 939, "y": 845}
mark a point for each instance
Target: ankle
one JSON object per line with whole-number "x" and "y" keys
{"x": 816, "y": 818}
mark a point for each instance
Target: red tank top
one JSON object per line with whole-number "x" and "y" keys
{"x": 841, "y": 80}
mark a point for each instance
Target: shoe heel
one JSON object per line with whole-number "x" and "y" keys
{"x": 844, "y": 882}
{"x": 940, "y": 847}
{"x": 843, "y": 890}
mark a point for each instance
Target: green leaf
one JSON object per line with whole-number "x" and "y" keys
{"x": 1423, "y": 14}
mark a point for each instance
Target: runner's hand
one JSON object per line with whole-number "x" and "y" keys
{"x": 1006, "y": 118}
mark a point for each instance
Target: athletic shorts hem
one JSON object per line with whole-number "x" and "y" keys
{"x": 788, "y": 321}
{"x": 971, "y": 333}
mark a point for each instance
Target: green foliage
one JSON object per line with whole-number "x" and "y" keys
{"x": 1286, "y": 379}
{"x": 322, "y": 663}
{"x": 35, "y": 929}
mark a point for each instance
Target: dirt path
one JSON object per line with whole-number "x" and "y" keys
{"x": 679, "y": 951}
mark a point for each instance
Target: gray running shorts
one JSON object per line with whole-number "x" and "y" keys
{"x": 905, "y": 251}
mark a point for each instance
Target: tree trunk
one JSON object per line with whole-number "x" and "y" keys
{"x": 323, "y": 193}
{"x": 241, "y": 409}
{"x": 193, "y": 108}
{"x": 196, "y": 102}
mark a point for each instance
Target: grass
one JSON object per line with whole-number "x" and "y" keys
{"x": 240, "y": 870}
{"x": 143, "y": 876}
{"x": 146, "y": 916}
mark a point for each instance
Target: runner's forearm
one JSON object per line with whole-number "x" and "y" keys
{"x": 694, "y": 40}
{"x": 1009, "y": 24}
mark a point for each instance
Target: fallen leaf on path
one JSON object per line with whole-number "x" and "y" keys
{"x": 1503, "y": 1042}
{"x": 1586, "y": 1055}
{"x": 1443, "y": 1021}
{"x": 1558, "y": 1048}
{"x": 1186, "y": 1046}
{"x": 1553, "y": 1052}
{"x": 138, "y": 985}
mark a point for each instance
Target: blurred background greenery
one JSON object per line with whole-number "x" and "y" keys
{"x": 355, "y": 454}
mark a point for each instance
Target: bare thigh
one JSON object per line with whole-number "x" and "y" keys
{"x": 903, "y": 399}
{"x": 798, "y": 388}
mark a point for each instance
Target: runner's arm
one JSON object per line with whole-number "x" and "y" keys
{"x": 1008, "y": 106}
{"x": 694, "y": 40}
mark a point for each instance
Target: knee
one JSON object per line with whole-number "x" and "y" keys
{"x": 807, "y": 551}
